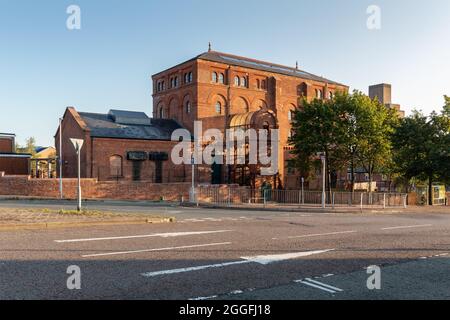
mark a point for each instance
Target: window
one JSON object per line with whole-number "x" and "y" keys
{"x": 188, "y": 107}
{"x": 290, "y": 115}
{"x": 237, "y": 81}
{"x": 319, "y": 94}
{"x": 330, "y": 94}
{"x": 221, "y": 78}
{"x": 163, "y": 86}
{"x": 218, "y": 107}
{"x": 188, "y": 77}
{"x": 258, "y": 84}
{"x": 175, "y": 82}
{"x": 214, "y": 77}
{"x": 115, "y": 166}
{"x": 263, "y": 85}
{"x": 161, "y": 112}
{"x": 244, "y": 82}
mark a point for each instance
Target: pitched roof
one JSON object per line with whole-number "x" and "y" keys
{"x": 260, "y": 65}
{"x": 239, "y": 61}
{"x": 128, "y": 125}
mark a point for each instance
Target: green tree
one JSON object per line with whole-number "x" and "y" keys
{"x": 318, "y": 128}
{"x": 422, "y": 146}
{"x": 351, "y": 129}
{"x": 374, "y": 128}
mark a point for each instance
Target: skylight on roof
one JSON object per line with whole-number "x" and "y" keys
{"x": 264, "y": 65}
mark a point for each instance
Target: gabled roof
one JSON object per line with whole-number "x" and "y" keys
{"x": 261, "y": 65}
{"x": 130, "y": 125}
{"x": 239, "y": 61}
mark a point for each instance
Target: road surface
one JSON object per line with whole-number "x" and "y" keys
{"x": 235, "y": 254}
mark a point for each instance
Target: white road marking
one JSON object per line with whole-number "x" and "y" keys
{"x": 317, "y": 235}
{"x": 203, "y": 298}
{"x": 257, "y": 259}
{"x": 324, "y": 285}
{"x": 408, "y": 227}
{"x": 153, "y": 250}
{"x": 267, "y": 259}
{"x": 162, "y": 235}
{"x": 316, "y": 286}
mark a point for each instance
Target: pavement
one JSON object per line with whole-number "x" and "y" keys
{"x": 230, "y": 254}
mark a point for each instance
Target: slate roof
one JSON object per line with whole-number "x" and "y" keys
{"x": 234, "y": 60}
{"x": 128, "y": 125}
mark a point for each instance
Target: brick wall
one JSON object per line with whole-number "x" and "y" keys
{"x": 92, "y": 189}
{"x": 6, "y": 145}
{"x": 14, "y": 165}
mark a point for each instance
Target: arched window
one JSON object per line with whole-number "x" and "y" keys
{"x": 244, "y": 81}
{"x": 330, "y": 94}
{"x": 258, "y": 84}
{"x": 161, "y": 112}
{"x": 221, "y": 78}
{"x": 188, "y": 107}
{"x": 175, "y": 82}
{"x": 319, "y": 94}
{"x": 218, "y": 107}
{"x": 186, "y": 78}
{"x": 190, "y": 77}
{"x": 290, "y": 115}
{"x": 237, "y": 81}
{"x": 115, "y": 166}
{"x": 214, "y": 77}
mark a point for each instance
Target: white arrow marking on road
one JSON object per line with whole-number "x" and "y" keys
{"x": 264, "y": 260}
{"x": 162, "y": 235}
{"x": 153, "y": 250}
{"x": 280, "y": 257}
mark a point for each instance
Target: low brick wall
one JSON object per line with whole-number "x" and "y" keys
{"x": 92, "y": 189}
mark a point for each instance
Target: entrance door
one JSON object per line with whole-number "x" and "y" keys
{"x": 216, "y": 176}
{"x": 158, "y": 171}
{"x": 137, "y": 170}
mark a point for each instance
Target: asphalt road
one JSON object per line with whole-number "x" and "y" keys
{"x": 221, "y": 254}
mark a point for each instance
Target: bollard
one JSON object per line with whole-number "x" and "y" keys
{"x": 384, "y": 200}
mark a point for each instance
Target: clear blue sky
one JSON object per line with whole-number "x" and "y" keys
{"x": 44, "y": 67}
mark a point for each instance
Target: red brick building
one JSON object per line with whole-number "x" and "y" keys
{"x": 120, "y": 145}
{"x": 12, "y": 163}
{"x": 225, "y": 91}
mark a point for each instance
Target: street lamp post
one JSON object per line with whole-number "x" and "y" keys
{"x": 303, "y": 192}
{"x": 192, "y": 179}
{"x": 78, "y": 144}
{"x": 322, "y": 157}
{"x": 60, "y": 159}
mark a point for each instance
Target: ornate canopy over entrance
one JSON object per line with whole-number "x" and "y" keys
{"x": 261, "y": 119}
{"x": 248, "y": 174}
